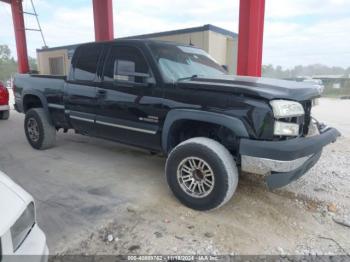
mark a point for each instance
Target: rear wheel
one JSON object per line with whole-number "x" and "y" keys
{"x": 40, "y": 133}
{"x": 4, "y": 115}
{"x": 202, "y": 173}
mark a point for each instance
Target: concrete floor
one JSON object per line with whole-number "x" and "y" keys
{"x": 79, "y": 181}
{"x": 84, "y": 183}
{"x": 329, "y": 180}
{"x": 334, "y": 112}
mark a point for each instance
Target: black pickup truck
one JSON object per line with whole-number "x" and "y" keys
{"x": 176, "y": 100}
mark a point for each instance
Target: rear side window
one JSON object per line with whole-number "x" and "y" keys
{"x": 87, "y": 62}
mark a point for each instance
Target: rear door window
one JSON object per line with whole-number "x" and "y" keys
{"x": 86, "y": 65}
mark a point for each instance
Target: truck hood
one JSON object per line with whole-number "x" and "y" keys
{"x": 13, "y": 201}
{"x": 256, "y": 87}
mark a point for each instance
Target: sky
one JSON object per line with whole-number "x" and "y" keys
{"x": 297, "y": 32}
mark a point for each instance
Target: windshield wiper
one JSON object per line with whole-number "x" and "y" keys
{"x": 187, "y": 78}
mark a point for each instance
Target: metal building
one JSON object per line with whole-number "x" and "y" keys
{"x": 221, "y": 44}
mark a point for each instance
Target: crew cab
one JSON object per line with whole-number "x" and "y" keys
{"x": 4, "y": 103}
{"x": 176, "y": 100}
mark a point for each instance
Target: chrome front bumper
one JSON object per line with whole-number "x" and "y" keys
{"x": 282, "y": 162}
{"x": 264, "y": 166}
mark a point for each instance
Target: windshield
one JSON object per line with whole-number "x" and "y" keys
{"x": 180, "y": 62}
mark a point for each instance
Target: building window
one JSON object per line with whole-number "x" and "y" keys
{"x": 56, "y": 65}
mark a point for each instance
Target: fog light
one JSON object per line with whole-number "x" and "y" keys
{"x": 286, "y": 129}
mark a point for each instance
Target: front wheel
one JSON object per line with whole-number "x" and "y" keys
{"x": 40, "y": 133}
{"x": 202, "y": 173}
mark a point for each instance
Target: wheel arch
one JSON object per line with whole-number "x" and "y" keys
{"x": 27, "y": 94}
{"x": 232, "y": 123}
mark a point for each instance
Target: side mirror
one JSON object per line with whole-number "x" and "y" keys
{"x": 125, "y": 72}
{"x": 130, "y": 78}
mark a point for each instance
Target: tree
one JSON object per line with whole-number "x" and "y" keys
{"x": 303, "y": 71}
{"x": 32, "y": 63}
{"x": 347, "y": 72}
{"x": 5, "y": 53}
{"x": 268, "y": 70}
{"x": 8, "y": 65}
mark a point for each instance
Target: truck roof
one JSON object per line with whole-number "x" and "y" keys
{"x": 137, "y": 40}
{"x": 124, "y": 40}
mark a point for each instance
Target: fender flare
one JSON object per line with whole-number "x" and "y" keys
{"x": 39, "y": 95}
{"x": 232, "y": 123}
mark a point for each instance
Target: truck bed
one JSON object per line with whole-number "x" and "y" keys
{"x": 50, "y": 86}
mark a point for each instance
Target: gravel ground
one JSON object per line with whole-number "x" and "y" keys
{"x": 314, "y": 219}
{"x": 255, "y": 222}
{"x": 329, "y": 181}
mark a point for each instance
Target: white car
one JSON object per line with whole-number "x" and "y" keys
{"x": 19, "y": 232}
{"x": 316, "y": 82}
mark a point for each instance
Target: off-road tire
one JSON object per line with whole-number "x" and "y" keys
{"x": 46, "y": 131}
{"x": 4, "y": 115}
{"x": 221, "y": 163}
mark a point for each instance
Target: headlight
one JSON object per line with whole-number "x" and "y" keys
{"x": 22, "y": 227}
{"x": 285, "y": 108}
{"x": 286, "y": 129}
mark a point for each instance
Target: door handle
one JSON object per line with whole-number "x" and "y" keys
{"x": 101, "y": 93}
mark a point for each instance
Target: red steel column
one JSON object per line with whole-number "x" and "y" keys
{"x": 103, "y": 19}
{"x": 20, "y": 35}
{"x": 250, "y": 38}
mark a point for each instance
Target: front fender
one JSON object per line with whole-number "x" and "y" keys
{"x": 232, "y": 123}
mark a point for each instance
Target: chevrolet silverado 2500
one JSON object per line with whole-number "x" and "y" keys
{"x": 176, "y": 100}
